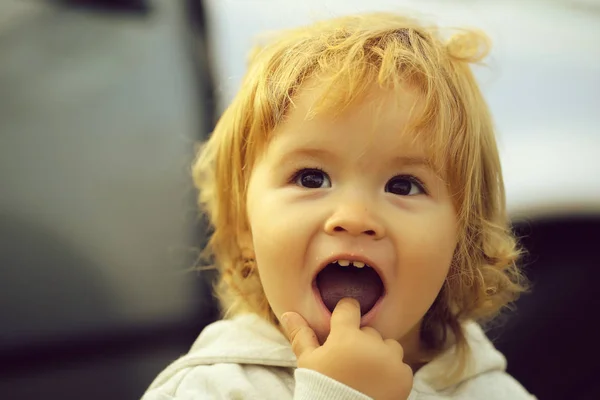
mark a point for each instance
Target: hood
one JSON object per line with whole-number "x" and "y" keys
{"x": 244, "y": 339}
{"x": 248, "y": 339}
{"x": 483, "y": 358}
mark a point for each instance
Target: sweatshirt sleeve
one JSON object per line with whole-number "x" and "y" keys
{"x": 312, "y": 385}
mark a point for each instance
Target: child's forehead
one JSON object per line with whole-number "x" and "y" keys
{"x": 320, "y": 116}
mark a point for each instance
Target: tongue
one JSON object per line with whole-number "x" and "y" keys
{"x": 363, "y": 284}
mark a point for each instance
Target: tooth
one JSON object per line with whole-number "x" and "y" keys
{"x": 358, "y": 264}
{"x": 343, "y": 263}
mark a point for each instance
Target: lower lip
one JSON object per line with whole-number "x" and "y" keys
{"x": 364, "y": 320}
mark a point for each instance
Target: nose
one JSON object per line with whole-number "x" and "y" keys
{"x": 354, "y": 219}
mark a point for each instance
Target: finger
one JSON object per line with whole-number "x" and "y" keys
{"x": 300, "y": 335}
{"x": 346, "y": 315}
{"x": 371, "y": 332}
{"x": 394, "y": 346}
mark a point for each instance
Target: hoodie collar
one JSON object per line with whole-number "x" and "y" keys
{"x": 249, "y": 339}
{"x": 483, "y": 358}
{"x": 244, "y": 339}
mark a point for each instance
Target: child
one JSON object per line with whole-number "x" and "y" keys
{"x": 355, "y": 191}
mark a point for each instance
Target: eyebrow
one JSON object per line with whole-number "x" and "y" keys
{"x": 412, "y": 161}
{"x": 311, "y": 153}
{"x": 320, "y": 154}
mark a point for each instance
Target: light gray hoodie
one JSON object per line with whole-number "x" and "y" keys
{"x": 248, "y": 358}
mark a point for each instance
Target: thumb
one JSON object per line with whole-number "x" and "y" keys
{"x": 301, "y": 336}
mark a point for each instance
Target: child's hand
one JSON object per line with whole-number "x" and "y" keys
{"x": 357, "y": 357}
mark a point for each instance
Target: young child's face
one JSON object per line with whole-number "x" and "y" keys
{"x": 348, "y": 189}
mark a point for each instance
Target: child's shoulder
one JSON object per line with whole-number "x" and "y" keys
{"x": 239, "y": 355}
{"x": 484, "y": 375}
{"x": 244, "y": 339}
{"x": 222, "y": 381}
{"x": 494, "y": 385}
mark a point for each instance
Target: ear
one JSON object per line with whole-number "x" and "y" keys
{"x": 247, "y": 254}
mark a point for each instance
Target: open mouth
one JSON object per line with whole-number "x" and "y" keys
{"x": 344, "y": 278}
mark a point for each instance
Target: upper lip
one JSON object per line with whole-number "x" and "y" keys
{"x": 353, "y": 257}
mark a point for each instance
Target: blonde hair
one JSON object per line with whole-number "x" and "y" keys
{"x": 348, "y": 55}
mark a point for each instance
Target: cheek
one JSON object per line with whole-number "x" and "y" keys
{"x": 427, "y": 252}
{"x": 281, "y": 226}
{"x": 273, "y": 270}
{"x": 279, "y": 248}
{"x": 423, "y": 270}
{"x": 275, "y": 237}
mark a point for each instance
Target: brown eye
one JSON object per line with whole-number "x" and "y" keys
{"x": 404, "y": 186}
{"x": 312, "y": 179}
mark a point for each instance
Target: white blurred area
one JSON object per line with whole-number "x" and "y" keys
{"x": 542, "y": 81}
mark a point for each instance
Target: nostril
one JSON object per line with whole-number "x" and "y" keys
{"x": 369, "y": 232}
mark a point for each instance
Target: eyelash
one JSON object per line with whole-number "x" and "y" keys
{"x": 413, "y": 179}
{"x": 298, "y": 171}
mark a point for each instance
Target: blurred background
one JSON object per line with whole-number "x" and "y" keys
{"x": 101, "y": 104}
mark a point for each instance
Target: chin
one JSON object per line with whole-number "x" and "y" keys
{"x": 321, "y": 329}
{"x": 322, "y": 335}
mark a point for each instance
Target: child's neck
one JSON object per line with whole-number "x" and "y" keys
{"x": 413, "y": 348}
{"x": 416, "y": 354}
